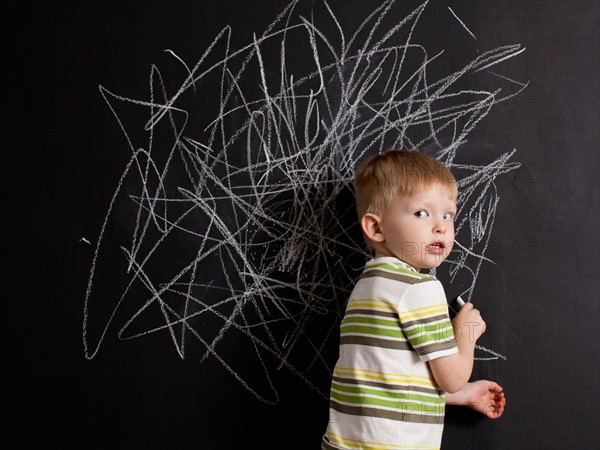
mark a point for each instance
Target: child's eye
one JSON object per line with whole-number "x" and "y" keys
{"x": 448, "y": 217}
{"x": 421, "y": 213}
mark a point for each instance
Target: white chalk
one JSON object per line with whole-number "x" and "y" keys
{"x": 460, "y": 301}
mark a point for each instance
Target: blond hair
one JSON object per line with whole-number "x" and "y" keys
{"x": 382, "y": 177}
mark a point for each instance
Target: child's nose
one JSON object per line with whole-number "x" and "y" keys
{"x": 440, "y": 227}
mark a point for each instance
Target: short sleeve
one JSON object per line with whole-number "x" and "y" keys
{"x": 424, "y": 318}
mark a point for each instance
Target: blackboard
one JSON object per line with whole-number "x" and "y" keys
{"x": 186, "y": 234}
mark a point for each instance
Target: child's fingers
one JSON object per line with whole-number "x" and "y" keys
{"x": 467, "y": 306}
{"x": 495, "y": 387}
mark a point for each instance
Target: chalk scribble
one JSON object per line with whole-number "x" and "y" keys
{"x": 233, "y": 217}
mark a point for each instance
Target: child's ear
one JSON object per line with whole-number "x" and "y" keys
{"x": 371, "y": 225}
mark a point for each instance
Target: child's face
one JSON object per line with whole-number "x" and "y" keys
{"x": 419, "y": 228}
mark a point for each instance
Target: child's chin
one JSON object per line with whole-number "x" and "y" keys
{"x": 429, "y": 264}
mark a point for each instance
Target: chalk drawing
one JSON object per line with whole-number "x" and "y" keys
{"x": 241, "y": 224}
{"x": 462, "y": 23}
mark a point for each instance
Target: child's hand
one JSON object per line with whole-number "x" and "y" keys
{"x": 468, "y": 323}
{"x": 486, "y": 397}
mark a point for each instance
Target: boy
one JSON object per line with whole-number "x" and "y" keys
{"x": 399, "y": 352}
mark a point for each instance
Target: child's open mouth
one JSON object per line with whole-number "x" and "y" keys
{"x": 436, "y": 247}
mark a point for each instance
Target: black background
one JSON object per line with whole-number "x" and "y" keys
{"x": 540, "y": 298}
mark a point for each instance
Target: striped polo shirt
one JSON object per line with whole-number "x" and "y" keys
{"x": 383, "y": 395}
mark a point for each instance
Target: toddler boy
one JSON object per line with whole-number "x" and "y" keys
{"x": 401, "y": 359}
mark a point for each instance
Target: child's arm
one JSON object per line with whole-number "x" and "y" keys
{"x": 452, "y": 373}
{"x": 486, "y": 397}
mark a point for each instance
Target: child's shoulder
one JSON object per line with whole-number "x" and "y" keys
{"x": 394, "y": 268}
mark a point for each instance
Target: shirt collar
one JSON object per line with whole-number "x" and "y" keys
{"x": 393, "y": 259}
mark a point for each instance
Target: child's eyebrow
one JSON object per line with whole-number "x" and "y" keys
{"x": 416, "y": 203}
